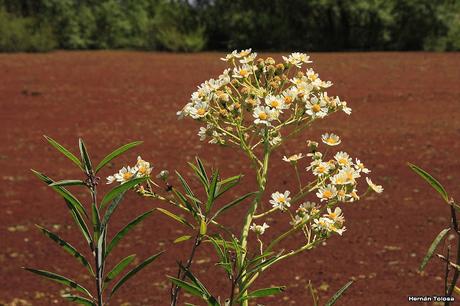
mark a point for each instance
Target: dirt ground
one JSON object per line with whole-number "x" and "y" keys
{"x": 406, "y": 107}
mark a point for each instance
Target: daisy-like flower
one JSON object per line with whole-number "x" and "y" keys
{"x": 293, "y": 158}
{"x": 289, "y": 96}
{"x": 320, "y": 167}
{"x": 330, "y": 139}
{"x": 343, "y": 159}
{"x": 249, "y": 58}
{"x": 312, "y": 75}
{"x": 281, "y": 200}
{"x": 317, "y": 108}
{"x": 259, "y": 229}
{"x": 275, "y": 102}
{"x": 263, "y": 115}
{"x": 244, "y": 53}
{"x": 374, "y": 187}
{"x": 202, "y": 133}
{"x": 242, "y": 72}
{"x": 143, "y": 167}
{"x": 111, "y": 179}
{"x": 327, "y": 193}
{"x": 339, "y": 179}
{"x": 350, "y": 174}
{"x": 323, "y": 224}
{"x": 125, "y": 174}
{"x": 230, "y": 56}
{"x": 198, "y": 110}
{"x": 297, "y": 59}
{"x": 335, "y": 215}
{"x": 360, "y": 166}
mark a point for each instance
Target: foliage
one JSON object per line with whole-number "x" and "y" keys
{"x": 94, "y": 226}
{"x": 184, "y": 25}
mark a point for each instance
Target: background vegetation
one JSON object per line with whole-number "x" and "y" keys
{"x": 194, "y": 25}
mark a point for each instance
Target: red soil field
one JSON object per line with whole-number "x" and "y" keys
{"x": 406, "y": 107}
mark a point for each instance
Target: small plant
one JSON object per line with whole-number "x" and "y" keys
{"x": 256, "y": 105}
{"x": 452, "y": 261}
{"x": 99, "y": 218}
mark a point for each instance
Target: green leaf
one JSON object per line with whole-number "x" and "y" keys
{"x": 227, "y": 184}
{"x": 78, "y": 299}
{"x": 133, "y": 272}
{"x": 203, "y": 178}
{"x": 212, "y": 191}
{"x": 432, "y": 248}
{"x": 231, "y": 204}
{"x": 263, "y": 292}
{"x": 174, "y": 217}
{"x": 338, "y": 294}
{"x": 64, "y": 151}
{"x": 96, "y": 220}
{"x": 60, "y": 279}
{"x": 67, "y": 247}
{"x": 190, "y": 288}
{"x": 117, "y": 153}
{"x": 80, "y": 223}
{"x": 206, "y": 295}
{"x": 187, "y": 188}
{"x": 182, "y": 238}
{"x": 111, "y": 209}
{"x": 85, "y": 157}
{"x": 116, "y": 239}
{"x": 113, "y": 193}
{"x": 119, "y": 268}
{"x": 431, "y": 180}
{"x": 67, "y": 183}
{"x": 203, "y": 227}
{"x": 202, "y": 169}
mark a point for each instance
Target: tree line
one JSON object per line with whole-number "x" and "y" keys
{"x": 196, "y": 25}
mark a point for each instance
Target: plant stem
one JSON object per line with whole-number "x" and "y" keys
{"x": 175, "y": 289}
{"x": 97, "y": 251}
{"x": 457, "y": 259}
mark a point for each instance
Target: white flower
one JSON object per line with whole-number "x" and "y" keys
{"x": 202, "y": 133}
{"x": 125, "y": 174}
{"x": 249, "y": 58}
{"x": 289, "y": 96}
{"x": 293, "y": 158}
{"x": 143, "y": 167}
{"x": 297, "y": 59}
{"x": 275, "y": 140}
{"x": 275, "y": 102}
{"x": 281, "y": 200}
{"x": 317, "y": 108}
{"x": 264, "y": 114}
{"x": 330, "y": 139}
{"x": 111, "y": 179}
{"x": 259, "y": 229}
{"x": 360, "y": 166}
{"x": 320, "y": 167}
{"x": 335, "y": 215}
{"x": 242, "y": 72}
{"x": 327, "y": 193}
{"x": 343, "y": 159}
{"x": 230, "y": 56}
{"x": 376, "y": 188}
{"x": 198, "y": 110}
{"x": 349, "y": 174}
{"x": 325, "y": 224}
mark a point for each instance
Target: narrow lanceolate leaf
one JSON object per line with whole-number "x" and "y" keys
{"x": 81, "y": 224}
{"x": 263, "y": 293}
{"x": 227, "y": 184}
{"x": 62, "y": 191}
{"x": 431, "y": 180}
{"x": 133, "y": 272}
{"x": 96, "y": 220}
{"x": 67, "y": 183}
{"x": 67, "y": 247}
{"x": 112, "y": 194}
{"x": 119, "y": 268}
{"x": 61, "y": 280}
{"x": 432, "y": 248}
{"x": 196, "y": 282}
{"x": 78, "y": 299}
{"x": 64, "y": 151}
{"x": 116, "y": 239}
{"x": 190, "y": 288}
{"x": 187, "y": 188}
{"x": 85, "y": 157}
{"x": 182, "y": 238}
{"x": 203, "y": 179}
{"x": 117, "y": 153}
{"x": 338, "y": 294}
{"x": 174, "y": 217}
{"x": 212, "y": 191}
{"x": 111, "y": 209}
{"x": 231, "y": 204}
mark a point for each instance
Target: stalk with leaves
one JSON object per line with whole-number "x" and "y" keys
{"x": 256, "y": 105}
{"x": 93, "y": 223}
{"x": 452, "y": 263}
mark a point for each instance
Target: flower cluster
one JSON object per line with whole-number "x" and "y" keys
{"x": 257, "y": 97}
{"x": 140, "y": 169}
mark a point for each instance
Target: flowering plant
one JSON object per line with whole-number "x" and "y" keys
{"x": 256, "y": 105}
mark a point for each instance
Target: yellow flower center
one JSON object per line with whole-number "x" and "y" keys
{"x": 332, "y": 215}
{"x": 327, "y": 194}
{"x": 263, "y": 116}
{"x": 331, "y": 140}
{"x": 201, "y": 111}
{"x": 142, "y": 170}
{"x": 341, "y": 193}
{"x": 274, "y": 103}
{"x": 243, "y": 72}
{"x": 343, "y": 161}
{"x": 316, "y": 108}
{"x": 288, "y": 100}
{"x": 312, "y": 77}
{"x": 281, "y": 199}
{"x": 321, "y": 169}
{"x": 127, "y": 175}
